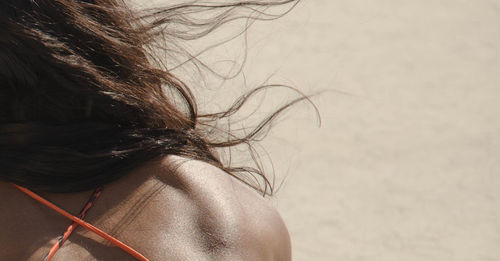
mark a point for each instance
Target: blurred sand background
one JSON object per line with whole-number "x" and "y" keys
{"x": 406, "y": 165}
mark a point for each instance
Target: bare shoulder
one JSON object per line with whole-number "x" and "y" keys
{"x": 178, "y": 209}
{"x": 237, "y": 222}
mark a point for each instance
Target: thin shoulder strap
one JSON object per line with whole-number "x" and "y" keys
{"x": 62, "y": 239}
{"x": 84, "y": 224}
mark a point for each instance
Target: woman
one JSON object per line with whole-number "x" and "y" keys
{"x": 96, "y": 135}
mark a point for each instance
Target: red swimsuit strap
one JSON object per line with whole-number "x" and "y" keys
{"x": 84, "y": 224}
{"x": 62, "y": 239}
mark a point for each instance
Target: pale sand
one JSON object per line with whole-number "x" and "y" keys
{"x": 406, "y": 165}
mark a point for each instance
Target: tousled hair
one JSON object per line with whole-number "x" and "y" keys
{"x": 84, "y": 99}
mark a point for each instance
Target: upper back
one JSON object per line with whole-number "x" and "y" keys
{"x": 174, "y": 209}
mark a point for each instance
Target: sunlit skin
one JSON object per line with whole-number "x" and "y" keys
{"x": 173, "y": 209}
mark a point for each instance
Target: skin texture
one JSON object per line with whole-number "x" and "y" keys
{"x": 170, "y": 209}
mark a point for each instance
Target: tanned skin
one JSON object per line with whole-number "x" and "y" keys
{"x": 170, "y": 209}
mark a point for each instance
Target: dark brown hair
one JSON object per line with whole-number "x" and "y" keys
{"x": 83, "y": 98}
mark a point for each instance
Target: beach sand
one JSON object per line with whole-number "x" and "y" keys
{"x": 406, "y": 163}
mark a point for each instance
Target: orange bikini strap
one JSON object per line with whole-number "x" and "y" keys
{"x": 62, "y": 239}
{"x": 84, "y": 224}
